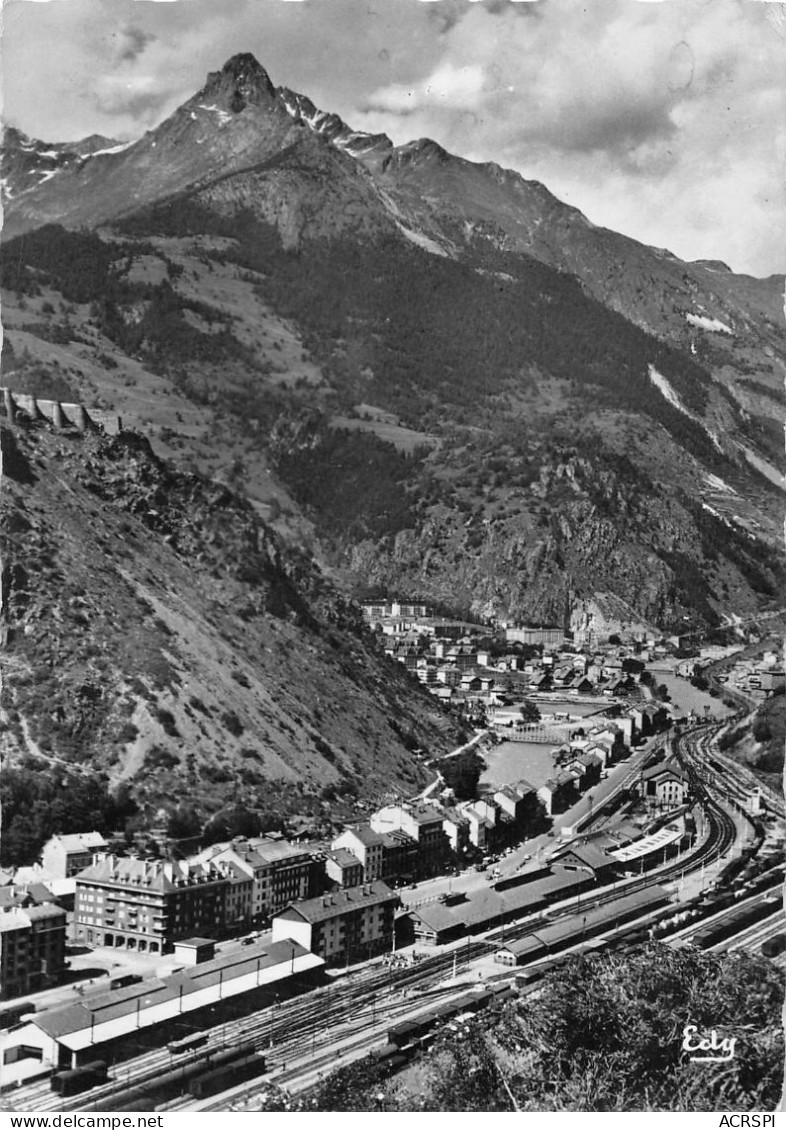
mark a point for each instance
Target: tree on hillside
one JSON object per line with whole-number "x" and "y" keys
{"x": 236, "y": 821}
{"x": 529, "y": 712}
{"x": 462, "y": 774}
{"x": 39, "y": 802}
{"x": 607, "y": 1033}
{"x": 183, "y": 822}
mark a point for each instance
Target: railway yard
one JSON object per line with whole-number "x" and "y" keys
{"x": 722, "y": 893}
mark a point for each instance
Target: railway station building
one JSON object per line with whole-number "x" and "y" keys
{"x": 664, "y": 785}
{"x": 437, "y": 923}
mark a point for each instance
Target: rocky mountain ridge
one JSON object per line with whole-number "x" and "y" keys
{"x": 239, "y": 120}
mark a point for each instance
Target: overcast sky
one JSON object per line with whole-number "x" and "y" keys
{"x": 666, "y": 121}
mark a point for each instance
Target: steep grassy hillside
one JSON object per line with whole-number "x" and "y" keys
{"x": 157, "y": 631}
{"x": 760, "y": 741}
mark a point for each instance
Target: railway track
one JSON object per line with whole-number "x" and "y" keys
{"x": 323, "y": 1009}
{"x": 315, "y": 1016}
{"x": 754, "y": 936}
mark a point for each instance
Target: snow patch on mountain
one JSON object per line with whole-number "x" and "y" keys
{"x": 423, "y": 241}
{"x": 111, "y": 149}
{"x": 663, "y": 386}
{"x": 714, "y": 325}
{"x": 223, "y": 116}
{"x": 765, "y": 468}
{"x": 716, "y": 483}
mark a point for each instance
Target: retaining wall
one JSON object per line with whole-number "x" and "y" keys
{"x": 60, "y": 414}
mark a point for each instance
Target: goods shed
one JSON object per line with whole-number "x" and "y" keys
{"x": 438, "y": 923}
{"x": 563, "y": 884}
{"x": 120, "y": 1023}
{"x": 574, "y": 929}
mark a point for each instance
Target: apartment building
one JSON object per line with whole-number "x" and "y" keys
{"x": 279, "y": 871}
{"x": 367, "y": 845}
{"x": 32, "y": 948}
{"x": 349, "y": 925}
{"x": 65, "y": 856}
{"x": 147, "y": 905}
{"x": 424, "y": 823}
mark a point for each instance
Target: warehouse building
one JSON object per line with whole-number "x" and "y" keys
{"x": 576, "y": 929}
{"x": 438, "y": 923}
{"x": 121, "y": 1023}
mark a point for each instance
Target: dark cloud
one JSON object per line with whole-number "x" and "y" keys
{"x": 133, "y": 42}
{"x": 613, "y": 129}
{"x": 445, "y": 14}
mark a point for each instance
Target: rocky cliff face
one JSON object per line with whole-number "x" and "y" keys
{"x": 549, "y": 554}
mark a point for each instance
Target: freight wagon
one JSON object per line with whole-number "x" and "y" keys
{"x": 79, "y": 1078}
{"x": 229, "y": 1075}
{"x": 412, "y": 1031}
{"x": 148, "y": 1093}
{"x": 735, "y": 922}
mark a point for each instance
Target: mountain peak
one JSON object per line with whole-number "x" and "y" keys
{"x": 244, "y": 65}
{"x": 242, "y": 80}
